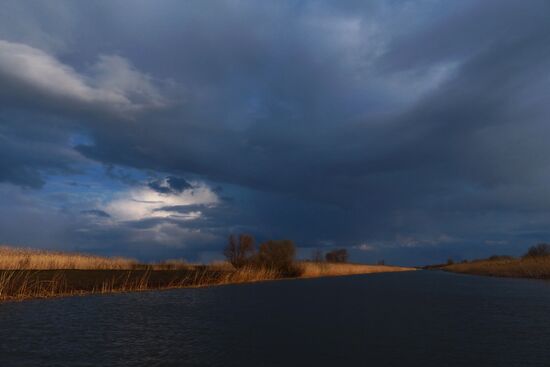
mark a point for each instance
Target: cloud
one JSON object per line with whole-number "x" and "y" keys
{"x": 26, "y": 154}
{"x": 147, "y": 202}
{"x": 388, "y": 122}
{"x": 170, "y": 185}
{"x": 112, "y": 84}
{"x": 96, "y": 212}
{"x": 46, "y": 103}
{"x": 365, "y": 247}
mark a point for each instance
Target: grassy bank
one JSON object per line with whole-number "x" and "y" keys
{"x": 28, "y": 274}
{"x": 526, "y": 267}
{"x": 322, "y": 269}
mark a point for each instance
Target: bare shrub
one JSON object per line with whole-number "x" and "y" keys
{"x": 279, "y": 255}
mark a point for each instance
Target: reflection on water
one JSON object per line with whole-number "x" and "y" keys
{"x": 397, "y": 319}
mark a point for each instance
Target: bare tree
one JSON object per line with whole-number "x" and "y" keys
{"x": 317, "y": 256}
{"x": 239, "y": 251}
{"x": 337, "y": 256}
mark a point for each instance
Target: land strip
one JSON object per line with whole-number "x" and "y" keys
{"x": 31, "y": 273}
{"x": 526, "y": 267}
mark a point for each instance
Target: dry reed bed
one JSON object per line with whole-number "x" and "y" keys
{"x": 530, "y": 267}
{"x": 26, "y": 284}
{"x": 22, "y": 258}
{"x": 315, "y": 269}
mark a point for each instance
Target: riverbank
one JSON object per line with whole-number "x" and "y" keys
{"x": 526, "y": 267}
{"x": 21, "y": 284}
{"x": 323, "y": 269}
{"x": 27, "y": 284}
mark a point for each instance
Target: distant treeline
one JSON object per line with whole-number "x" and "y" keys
{"x": 241, "y": 251}
{"x": 334, "y": 256}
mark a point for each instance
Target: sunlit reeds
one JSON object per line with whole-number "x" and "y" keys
{"x": 526, "y": 267}
{"x": 12, "y": 258}
{"x": 320, "y": 269}
{"x": 17, "y": 284}
{"x": 24, "y": 284}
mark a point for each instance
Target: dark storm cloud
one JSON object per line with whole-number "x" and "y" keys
{"x": 96, "y": 213}
{"x": 180, "y": 208}
{"x": 170, "y": 185}
{"x": 31, "y": 145}
{"x": 339, "y": 123}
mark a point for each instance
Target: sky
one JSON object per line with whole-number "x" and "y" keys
{"x": 409, "y": 131}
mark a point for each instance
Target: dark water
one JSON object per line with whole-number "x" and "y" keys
{"x": 403, "y": 319}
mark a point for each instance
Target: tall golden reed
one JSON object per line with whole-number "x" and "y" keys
{"x": 12, "y": 258}
{"x": 320, "y": 269}
{"x": 527, "y": 267}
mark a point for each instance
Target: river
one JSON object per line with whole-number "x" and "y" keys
{"x": 422, "y": 318}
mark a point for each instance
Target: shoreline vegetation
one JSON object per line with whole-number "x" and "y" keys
{"x": 28, "y": 273}
{"x": 534, "y": 264}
